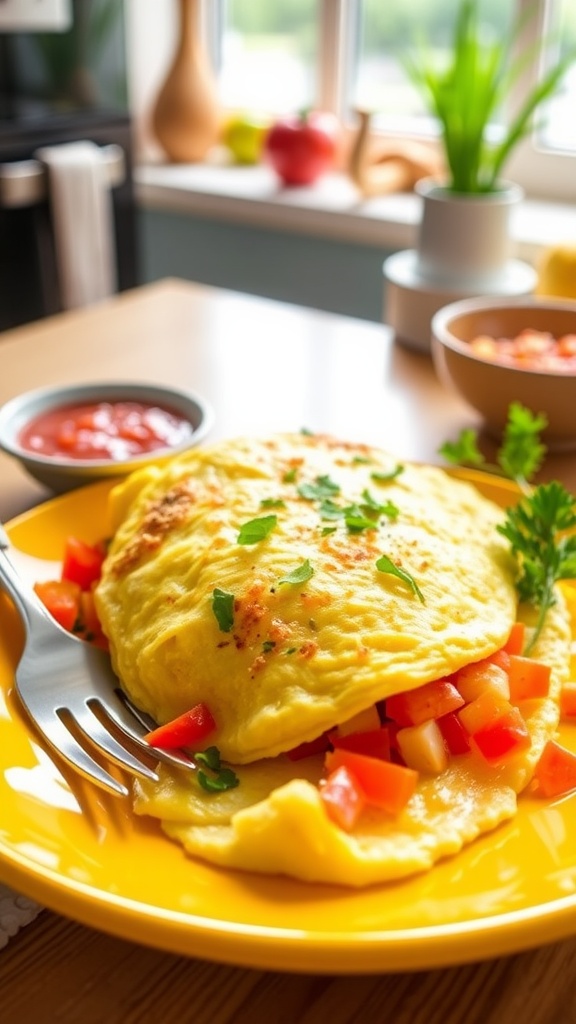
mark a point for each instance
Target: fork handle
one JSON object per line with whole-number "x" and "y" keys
{"x": 28, "y": 604}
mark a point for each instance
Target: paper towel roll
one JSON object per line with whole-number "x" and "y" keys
{"x": 83, "y": 221}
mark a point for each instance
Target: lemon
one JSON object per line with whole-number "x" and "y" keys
{"x": 557, "y": 272}
{"x": 243, "y": 136}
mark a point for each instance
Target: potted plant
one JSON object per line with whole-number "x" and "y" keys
{"x": 464, "y": 244}
{"x": 466, "y": 92}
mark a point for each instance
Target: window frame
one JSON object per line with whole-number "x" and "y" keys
{"x": 544, "y": 174}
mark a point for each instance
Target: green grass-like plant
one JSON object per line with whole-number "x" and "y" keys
{"x": 465, "y": 93}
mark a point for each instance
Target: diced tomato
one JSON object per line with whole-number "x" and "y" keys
{"x": 517, "y": 639}
{"x": 423, "y": 748}
{"x": 184, "y": 731}
{"x": 454, "y": 734}
{"x": 501, "y": 658}
{"x": 82, "y": 563}
{"x": 568, "y": 700}
{"x": 428, "y": 701}
{"x": 555, "y": 772}
{"x": 482, "y": 677}
{"x": 343, "y": 797}
{"x": 527, "y": 678}
{"x": 89, "y": 622}
{"x": 502, "y": 738}
{"x": 386, "y": 785}
{"x": 487, "y": 708}
{"x": 317, "y": 746}
{"x": 62, "y": 599}
{"x": 374, "y": 743}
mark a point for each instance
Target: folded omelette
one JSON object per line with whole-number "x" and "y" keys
{"x": 289, "y": 583}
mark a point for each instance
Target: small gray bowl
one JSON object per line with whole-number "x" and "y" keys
{"x": 62, "y": 474}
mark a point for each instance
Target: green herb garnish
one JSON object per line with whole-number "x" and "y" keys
{"x": 385, "y": 564}
{"x": 272, "y": 503}
{"x": 223, "y": 608}
{"x": 219, "y": 778}
{"x": 520, "y": 455}
{"x": 323, "y": 487}
{"x": 381, "y": 477}
{"x": 302, "y": 574}
{"x": 536, "y": 528}
{"x": 357, "y": 522}
{"x": 256, "y": 529}
{"x": 386, "y": 508}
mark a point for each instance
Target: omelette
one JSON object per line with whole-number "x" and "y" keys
{"x": 293, "y": 584}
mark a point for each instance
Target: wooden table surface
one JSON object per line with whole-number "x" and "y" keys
{"x": 264, "y": 366}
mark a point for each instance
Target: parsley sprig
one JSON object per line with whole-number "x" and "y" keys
{"x": 217, "y": 778}
{"x": 520, "y": 455}
{"x": 538, "y": 527}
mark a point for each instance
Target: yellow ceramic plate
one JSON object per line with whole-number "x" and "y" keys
{"x": 84, "y": 854}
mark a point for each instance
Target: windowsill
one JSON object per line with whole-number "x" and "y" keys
{"x": 331, "y": 209}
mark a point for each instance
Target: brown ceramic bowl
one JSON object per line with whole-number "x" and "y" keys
{"x": 490, "y": 387}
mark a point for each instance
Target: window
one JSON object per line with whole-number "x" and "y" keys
{"x": 274, "y": 57}
{"x": 269, "y": 55}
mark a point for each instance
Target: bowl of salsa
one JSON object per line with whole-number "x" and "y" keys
{"x": 493, "y": 352}
{"x": 67, "y": 436}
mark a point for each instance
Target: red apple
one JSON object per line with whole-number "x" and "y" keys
{"x": 302, "y": 147}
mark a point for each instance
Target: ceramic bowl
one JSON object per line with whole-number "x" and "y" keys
{"x": 61, "y": 473}
{"x": 490, "y": 387}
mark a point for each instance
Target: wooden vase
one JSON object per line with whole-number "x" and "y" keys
{"x": 186, "y": 118}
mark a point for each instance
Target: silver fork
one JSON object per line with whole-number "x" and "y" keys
{"x": 70, "y": 692}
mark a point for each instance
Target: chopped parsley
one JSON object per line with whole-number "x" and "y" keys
{"x": 301, "y": 574}
{"x": 256, "y": 529}
{"x": 323, "y": 487}
{"x": 223, "y": 608}
{"x": 217, "y": 779}
{"x": 381, "y": 477}
{"x": 385, "y": 564}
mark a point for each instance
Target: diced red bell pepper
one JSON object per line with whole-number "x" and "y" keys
{"x": 310, "y": 747}
{"x": 516, "y": 640}
{"x": 187, "y": 730}
{"x": 82, "y": 563}
{"x": 555, "y": 772}
{"x": 386, "y": 785}
{"x": 428, "y": 701}
{"x": 374, "y": 743}
{"x": 454, "y": 733}
{"x": 62, "y": 599}
{"x": 343, "y": 797}
{"x": 568, "y": 700}
{"x": 502, "y": 738}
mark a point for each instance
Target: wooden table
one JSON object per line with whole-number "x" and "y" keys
{"x": 265, "y": 367}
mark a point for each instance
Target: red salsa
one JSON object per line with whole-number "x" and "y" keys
{"x": 113, "y": 430}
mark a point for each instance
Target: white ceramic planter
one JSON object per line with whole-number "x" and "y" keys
{"x": 464, "y": 236}
{"x": 463, "y": 250}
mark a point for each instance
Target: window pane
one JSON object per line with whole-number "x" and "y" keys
{"x": 269, "y": 55}
{"x": 389, "y": 30}
{"x": 559, "y": 132}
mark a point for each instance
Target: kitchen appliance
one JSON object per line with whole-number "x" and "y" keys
{"x": 31, "y": 119}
